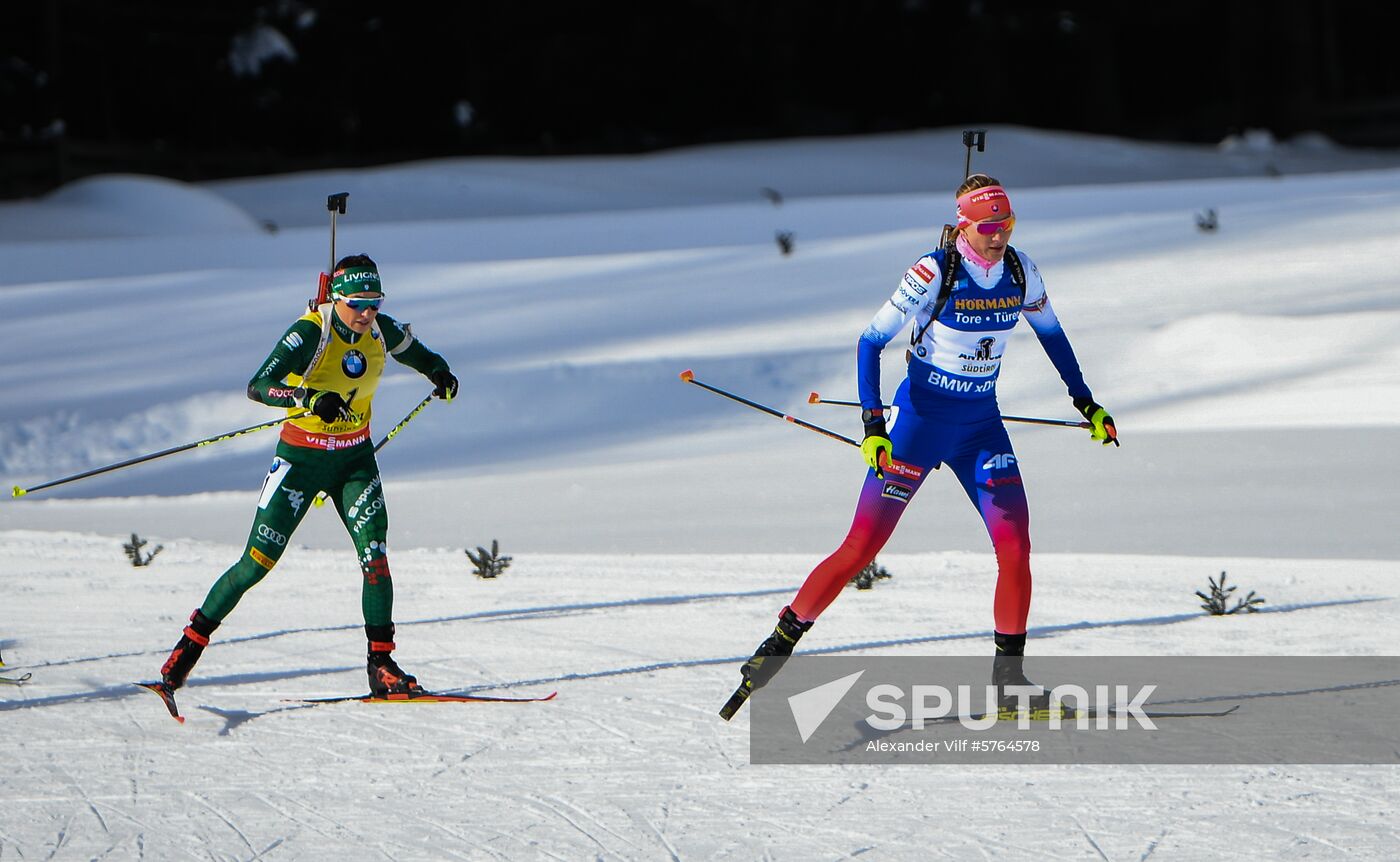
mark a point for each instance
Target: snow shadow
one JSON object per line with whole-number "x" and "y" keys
{"x": 1041, "y": 631}
{"x": 501, "y": 614}
{"x": 127, "y": 689}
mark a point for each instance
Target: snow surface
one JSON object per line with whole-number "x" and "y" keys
{"x": 656, "y": 529}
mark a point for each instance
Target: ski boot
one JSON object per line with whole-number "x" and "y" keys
{"x": 1007, "y": 670}
{"x": 181, "y": 661}
{"x": 386, "y": 679}
{"x": 187, "y": 651}
{"x": 767, "y": 660}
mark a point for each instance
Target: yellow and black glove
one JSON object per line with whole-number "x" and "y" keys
{"x": 877, "y": 448}
{"x": 1098, "y": 417}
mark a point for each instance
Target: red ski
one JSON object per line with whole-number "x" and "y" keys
{"x": 166, "y": 694}
{"x": 425, "y": 697}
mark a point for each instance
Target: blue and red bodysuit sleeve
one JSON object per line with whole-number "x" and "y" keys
{"x": 916, "y": 289}
{"x": 1041, "y": 316}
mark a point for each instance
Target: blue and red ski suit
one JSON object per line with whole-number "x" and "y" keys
{"x": 945, "y": 412}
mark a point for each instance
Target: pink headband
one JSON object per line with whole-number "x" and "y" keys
{"x": 989, "y": 202}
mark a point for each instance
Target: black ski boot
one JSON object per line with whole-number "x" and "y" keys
{"x": 386, "y": 678}
{"x": 1007, "y": 670}
{"x": 187, "y": 651}
{"x": 767, "y": 660}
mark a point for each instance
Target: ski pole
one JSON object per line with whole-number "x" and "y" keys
{"x": 207, "y": 441}
{"x": 427, "y": 399}
{"x": 814, "y": 398}
{"x": 689, "y": 377}
{"x": 321, "y": 497}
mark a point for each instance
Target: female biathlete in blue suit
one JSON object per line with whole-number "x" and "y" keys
{"x": 945, "y": 412}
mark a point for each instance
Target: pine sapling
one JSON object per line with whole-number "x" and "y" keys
{"x": 133, "y": 551}
{"x": 865, "y": 579}
{"x": 489, "y": 564}
{"x": 1218, "y": 602}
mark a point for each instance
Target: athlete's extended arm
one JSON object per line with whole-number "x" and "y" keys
{"x": 911, "y": 295}
{"x": 1041, "y": 316}
{"x": 292, "y": 355}
{"x": 914, "y": 292}
{"x": 403, "y": 346}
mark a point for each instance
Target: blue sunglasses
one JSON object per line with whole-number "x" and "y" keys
{"x": 360, "y": 304}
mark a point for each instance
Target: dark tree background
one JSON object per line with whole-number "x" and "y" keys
{"x": 167, "y": 88}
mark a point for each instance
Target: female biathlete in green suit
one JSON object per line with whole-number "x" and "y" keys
{"x": 329, "y": 362}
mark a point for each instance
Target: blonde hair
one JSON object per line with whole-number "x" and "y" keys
{"x": 975, "y": 181}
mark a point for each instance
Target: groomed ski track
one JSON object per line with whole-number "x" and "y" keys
{"x": 629, "y": 762}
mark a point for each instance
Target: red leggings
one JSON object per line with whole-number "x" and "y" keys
{"x": 992, "y": 481}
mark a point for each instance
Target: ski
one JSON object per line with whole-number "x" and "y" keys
{"x": 1152, "y": 713}
{"x": 736, "y": 700}
{"x": 1044, "y": 715}
{"x": 16, "y": 680}
{"x": 1075, "y": 714}
{"x": 166, "y": 694}
{"x": 425, "y": 697}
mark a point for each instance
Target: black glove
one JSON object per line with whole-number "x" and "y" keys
{"x": 446, "y": 384}
{"x": 328, "y": 406}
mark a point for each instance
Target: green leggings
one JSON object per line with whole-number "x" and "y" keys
{"x": 350, "y": 478}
